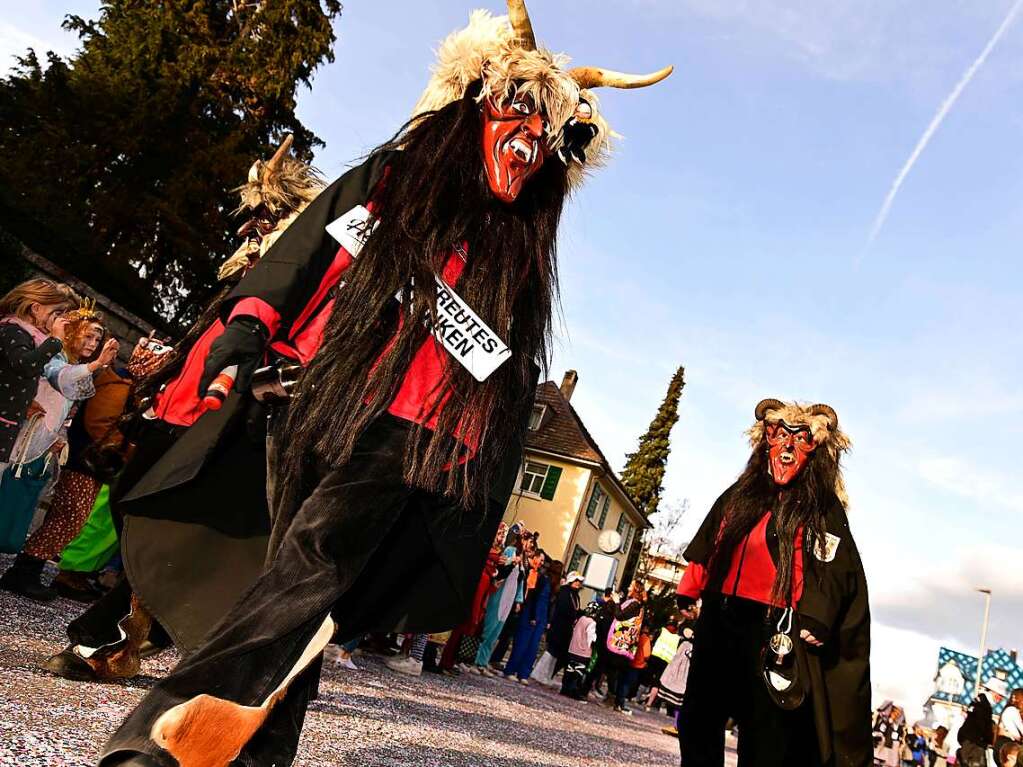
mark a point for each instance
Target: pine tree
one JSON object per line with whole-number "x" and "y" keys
{"x": 120, "y": 161}
{"x": 643, "y": 476}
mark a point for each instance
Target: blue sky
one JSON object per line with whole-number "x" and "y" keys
{"x": 728, "y": 235}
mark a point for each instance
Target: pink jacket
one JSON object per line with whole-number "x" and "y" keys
{"x": 584, "y": 634}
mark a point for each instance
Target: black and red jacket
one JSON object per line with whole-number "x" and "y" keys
{"x": 752, "y": 570}
{"x": 829, "y": 599}
{"x": 292, "y": 291}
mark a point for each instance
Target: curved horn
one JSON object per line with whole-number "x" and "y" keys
{"x": 595, "y": 77}
{"x": 767, "y": 404}
{"x": 828, "y": 411}
{"x": 519, "y": 18}
{"x": 273, "y": 162}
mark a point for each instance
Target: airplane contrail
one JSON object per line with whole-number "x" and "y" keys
{"x": 935, "y": 123}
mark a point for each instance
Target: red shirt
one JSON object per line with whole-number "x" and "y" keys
{"x": 752, "y": 571}
{"x": 178, "y": 402}
{"x": 420, "y": 389}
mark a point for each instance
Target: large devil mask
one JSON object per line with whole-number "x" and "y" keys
{"x": 532, "y": 105}
{"x": 791, "y": 433}
{"x": 513, "y": 144}
{"x": 788, "y": 450}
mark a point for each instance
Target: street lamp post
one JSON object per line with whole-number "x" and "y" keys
{"x": 983, "y": 639}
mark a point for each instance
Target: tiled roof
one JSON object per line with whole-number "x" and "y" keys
{"x": 562, "y": 431}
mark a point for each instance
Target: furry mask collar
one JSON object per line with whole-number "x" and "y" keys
{"x": 276, "y": 191}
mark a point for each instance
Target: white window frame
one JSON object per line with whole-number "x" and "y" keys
{"x": 539, "y": 411}
{"x": 543, "y": 478}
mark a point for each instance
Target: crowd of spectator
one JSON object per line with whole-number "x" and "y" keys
{"x": 984, "y": 740}
{"x": 529, "y": 625}
{"x": 62, "y": 393}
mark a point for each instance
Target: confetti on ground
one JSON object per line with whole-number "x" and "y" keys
{"x": 367, "y": 718}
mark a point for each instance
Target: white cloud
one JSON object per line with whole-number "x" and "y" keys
{"x": 959, "y": 476}
{"x": 938, "y": 596}
{"x": 903, "y": 663}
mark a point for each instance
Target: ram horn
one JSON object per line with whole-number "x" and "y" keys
{"x": 596, "y": 77}
{"x": 828, "y": 411}
{"x": 767, "y": 404}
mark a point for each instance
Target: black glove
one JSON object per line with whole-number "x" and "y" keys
{"x": 684, "y": 603}
{"x": 243, "y": 343}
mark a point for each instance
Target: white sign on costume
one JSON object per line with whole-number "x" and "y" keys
{"x": 466, "y": 337}
{"x": 353, "y": 229}
{"x": 460, "y": 330}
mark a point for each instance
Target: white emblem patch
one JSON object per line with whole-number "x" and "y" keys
{"x": 826, "y": 553}
{"x": 353, "y": 229}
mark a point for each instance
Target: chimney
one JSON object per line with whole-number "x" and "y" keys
{"x": 568, "y": 384}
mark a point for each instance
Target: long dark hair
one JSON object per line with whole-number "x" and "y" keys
{"x": 802, "y": 503}
{"x": 433, "y": 198}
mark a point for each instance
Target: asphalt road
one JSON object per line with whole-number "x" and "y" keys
{"x": 368, "y": 717}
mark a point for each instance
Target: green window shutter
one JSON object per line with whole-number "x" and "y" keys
{"x": 621, "y": 523}
{"x": 603, "y": 511}
{"x": 550, "y": 484}
{"x": 578, "y": 557}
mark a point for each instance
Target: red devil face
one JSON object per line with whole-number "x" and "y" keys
{"x": 513, "y": 145}
{"x": 789, "y": 449}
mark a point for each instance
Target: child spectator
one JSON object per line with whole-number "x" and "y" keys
{"x": 94, "y": 444}
{"x": 639, "y": 663}
{"x": 580, "y": 650}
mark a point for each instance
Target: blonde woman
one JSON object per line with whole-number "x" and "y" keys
{"x": 30, "y": 336}
{"x": 41, "y": 443}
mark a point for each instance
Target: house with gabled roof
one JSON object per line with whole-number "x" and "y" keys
{"x": 567, "y": 490}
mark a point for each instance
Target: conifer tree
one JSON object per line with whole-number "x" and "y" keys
{"x": 643, "y": 476}
{"x": 120, "y": 160}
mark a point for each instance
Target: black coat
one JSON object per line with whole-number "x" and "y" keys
{"x": 286, "y": 278}
{"x": 21, "y": 365}
{"x": 977, "y": 728}
{"x": 197, "y": 510}
{"x": 835, "y": 596}
{"x": 566, "y": 610}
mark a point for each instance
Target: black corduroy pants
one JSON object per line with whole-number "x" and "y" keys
{"x": 724, "y": 682}
{"x": 328, "y": 547}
